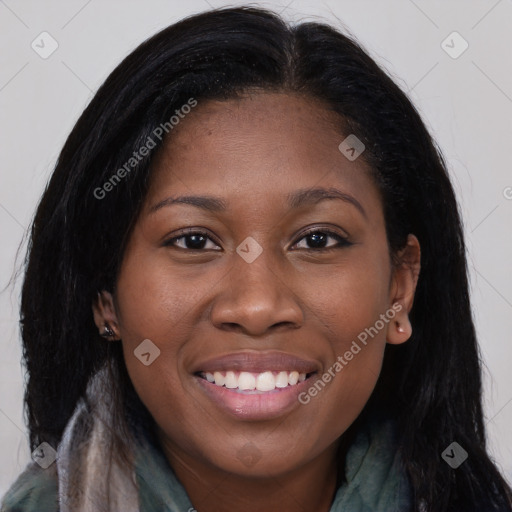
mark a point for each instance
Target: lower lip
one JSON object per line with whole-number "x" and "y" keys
{"x": 255, "y": 406}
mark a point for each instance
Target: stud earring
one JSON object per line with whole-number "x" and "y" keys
{"x": 399, "y": 328}
{"x": 107, "y": 332}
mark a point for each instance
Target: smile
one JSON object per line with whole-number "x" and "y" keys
{"x": 256, "y": 382}
{"x": 254, "y": 385}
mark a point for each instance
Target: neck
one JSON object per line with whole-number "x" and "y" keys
{"x": 310, "y": 487}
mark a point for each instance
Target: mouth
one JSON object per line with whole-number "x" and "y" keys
{"x": 255, "y": 385}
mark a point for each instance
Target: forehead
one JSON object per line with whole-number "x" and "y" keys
{"x": 259, "y": 146}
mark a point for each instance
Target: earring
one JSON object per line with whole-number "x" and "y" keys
{"x": 107, "y": 331}
{"x": 399, "y": 328}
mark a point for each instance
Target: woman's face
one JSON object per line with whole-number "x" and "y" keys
{"x": 291, "y": 276}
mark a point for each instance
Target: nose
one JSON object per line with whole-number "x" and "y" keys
{"x": 256, "y": 299}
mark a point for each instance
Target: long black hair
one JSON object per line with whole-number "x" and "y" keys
{"x": 432, "y": 383}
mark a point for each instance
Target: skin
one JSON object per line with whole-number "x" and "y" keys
{"x": 199, "y": 303}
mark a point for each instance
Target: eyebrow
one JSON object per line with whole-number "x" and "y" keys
{"x": 297, "y": 199}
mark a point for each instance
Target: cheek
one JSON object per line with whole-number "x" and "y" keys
{"x": 158, "y": 302}
{"x": 356, "y": 348}
{"x": 149, "y": 309}
{"x": 350, "y": 308}
{"x": 351, "y": 298}
{"x": 155, "y": 298}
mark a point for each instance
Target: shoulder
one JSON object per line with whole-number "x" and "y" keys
{"x": 34, "y": 490}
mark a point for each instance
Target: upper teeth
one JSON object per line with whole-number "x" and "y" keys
{"x": 266, "y": 381}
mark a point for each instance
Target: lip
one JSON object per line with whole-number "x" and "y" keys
{"x": 252, "y": 406}
{"x": 257, "y": 362}
{"x": 263, "y": 406}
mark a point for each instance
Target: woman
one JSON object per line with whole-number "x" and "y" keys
{"x": 246, "y": 289}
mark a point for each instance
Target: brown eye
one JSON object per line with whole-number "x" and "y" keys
{"x": 318, "y": 240}
{"x": 192, "y": 240}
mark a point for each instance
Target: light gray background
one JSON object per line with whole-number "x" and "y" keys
{"x": 466, "y": 102}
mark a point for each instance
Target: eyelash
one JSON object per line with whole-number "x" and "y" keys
{"x": 342, "y": 241}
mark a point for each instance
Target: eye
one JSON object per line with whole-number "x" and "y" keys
{"x": 191, "y": 240}
{"x": 318, "y": 238}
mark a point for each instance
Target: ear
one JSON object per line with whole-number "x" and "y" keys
{"x": 105, "y": 313}
{"x": 402, "y": 290}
